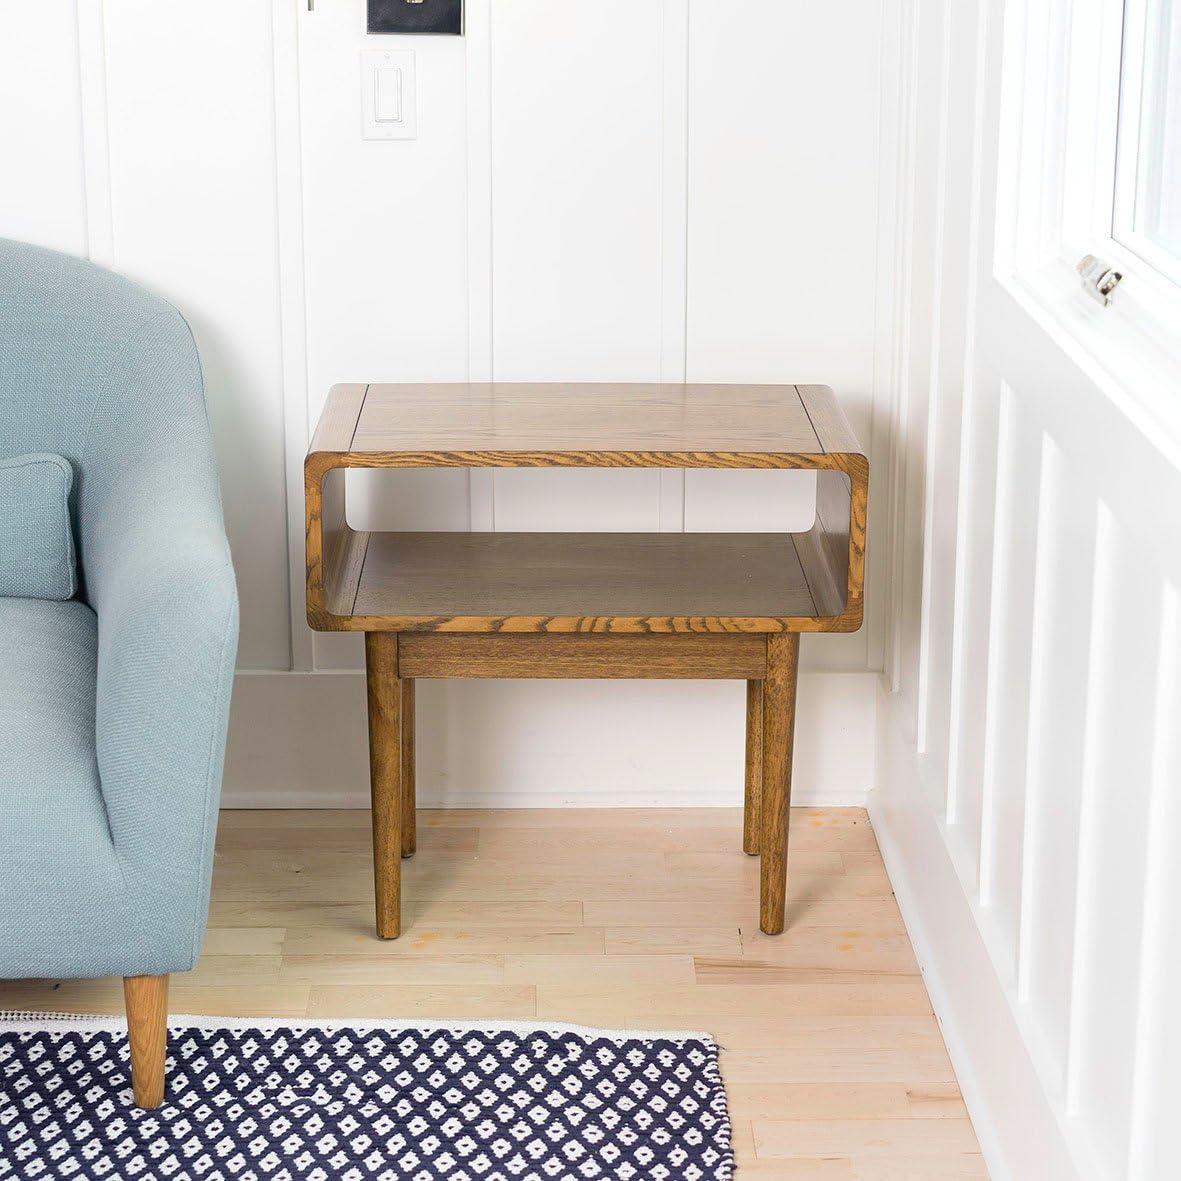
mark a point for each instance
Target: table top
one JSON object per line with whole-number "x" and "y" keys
{"x": 585, "y": 425}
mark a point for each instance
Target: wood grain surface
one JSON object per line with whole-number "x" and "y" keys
{"x": 384, "y": 693}
{"x": 572, "y": 419}
{"x": 691, "y": 656}
{"x": 352, "y": 584}
{"x": 779, "y": 719}
{"x": 146, "y": 1001}
{"x": 533, "y": 582}
{"x": 752, "y": 811}
{"x": 409, "y": 771}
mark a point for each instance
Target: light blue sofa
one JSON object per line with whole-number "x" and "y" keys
{"x": 113, "y": 705}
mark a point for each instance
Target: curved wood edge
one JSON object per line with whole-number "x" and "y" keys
{"x": 832, "y": 552}
{"x": 327, "y": 539}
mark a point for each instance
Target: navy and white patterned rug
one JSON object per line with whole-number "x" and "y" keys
{"x": 355, "y": 1100}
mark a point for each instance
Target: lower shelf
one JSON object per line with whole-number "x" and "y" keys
{"x": 572, "y": 582}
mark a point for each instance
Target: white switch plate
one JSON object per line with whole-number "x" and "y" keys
{"x": 387, "y": 69}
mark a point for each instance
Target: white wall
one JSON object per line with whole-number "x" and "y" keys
{"x": 599, "y": 189}
{"x": 1029, "y": 763}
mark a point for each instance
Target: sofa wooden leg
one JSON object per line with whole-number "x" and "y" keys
{"x": 385, "y": 774}
{"x": 146, "y": 1000}
{"x": 752, "y": 814}
{"x": 779, "y": 717}
{"x": 409, "y": 817}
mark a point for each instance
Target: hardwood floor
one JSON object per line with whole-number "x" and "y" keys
{"x": 834, "y": 1064}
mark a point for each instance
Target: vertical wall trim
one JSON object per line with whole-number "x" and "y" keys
{"x": 890, "y": 245}
{"x": 289, "y": 249}
{"x": 931, "y": 455}
{"x": 674, "y": 222}
{"x": 1045, "y": 584}
{"x": 478, "y": 50}
{"x": 1090, "y": 837}
{"x": 998, "y": 621}
{"x": 900, "y": 403}
{"x": 965, "y": 493}
{"x": 96, "y": 143}
{"x": 1155, "y": 1075}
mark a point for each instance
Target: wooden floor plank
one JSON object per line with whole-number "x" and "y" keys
{"x": 419, "y": 937}
{"x": 964, "y": 1167}
{"x": 844, "y": 994}
{"x": 864, "y": 1137}
{"x": 420, "y": 970}
{"x": 709, "y": 941}
{"x": 802, "y": 1101}
{"x": 462, "y": 1001}
{"x": 618, "y": 972}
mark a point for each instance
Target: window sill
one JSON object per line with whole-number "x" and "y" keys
{"x": 1133, "y": 358}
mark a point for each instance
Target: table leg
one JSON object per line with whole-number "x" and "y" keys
{"x": 385, "y": 773}
{"x": 752, "y": 818}
{"x": 409, "y": 809}
{"x": 779, "y": 710}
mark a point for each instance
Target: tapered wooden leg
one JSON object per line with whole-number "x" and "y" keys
{"x": 146, "y": 999}
{"x": 779, "y": 714}
{"x": 385, "y": 774}
{"x": 409, "y": 818}
{"x": 752, "y": 815}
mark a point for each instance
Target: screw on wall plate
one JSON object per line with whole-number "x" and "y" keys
{"x": 1099, "y": 278}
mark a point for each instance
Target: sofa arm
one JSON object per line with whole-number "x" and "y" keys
{"x": 155, "y": 567}
{"x": 168, "y": 626}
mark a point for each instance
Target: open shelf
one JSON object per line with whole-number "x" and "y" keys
{"x": 586, "y": 582}
{"x": 574, "y": 581}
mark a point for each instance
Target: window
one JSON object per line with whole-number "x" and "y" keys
{"x": 1089, "y": 170}
{"x": 1146, "y": 215}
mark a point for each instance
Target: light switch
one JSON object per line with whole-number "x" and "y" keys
{"x": 387, "y": 98}
{"x": 389, "y": 108}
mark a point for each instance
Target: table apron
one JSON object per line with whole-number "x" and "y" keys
{"x": 692, "y": 656}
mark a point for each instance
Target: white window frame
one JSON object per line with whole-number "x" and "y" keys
{"x": 1061, "y": 111}
{"x": 1142, "y": 248}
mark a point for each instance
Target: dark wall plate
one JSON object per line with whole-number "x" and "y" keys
{"x": 405, "y": 16}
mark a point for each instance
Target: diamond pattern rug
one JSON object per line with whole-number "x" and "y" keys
{"x": 354, "y": 1100}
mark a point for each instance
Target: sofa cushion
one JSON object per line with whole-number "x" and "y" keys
{"x": 36, "y": 541}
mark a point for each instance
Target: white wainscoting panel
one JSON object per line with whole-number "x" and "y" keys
{"x": 1028, "y": 768}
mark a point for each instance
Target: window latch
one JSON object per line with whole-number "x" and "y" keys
{"x": 1099, "y": 278}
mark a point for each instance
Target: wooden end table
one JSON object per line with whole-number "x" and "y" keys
{"x": 696, "y": 605}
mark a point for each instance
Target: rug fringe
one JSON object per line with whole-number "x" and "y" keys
{"x": 27, "y": 1021}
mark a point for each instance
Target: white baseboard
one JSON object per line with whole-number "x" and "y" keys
{"x": 298, "y": 740}
{"x": 1015, "y": 1123}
